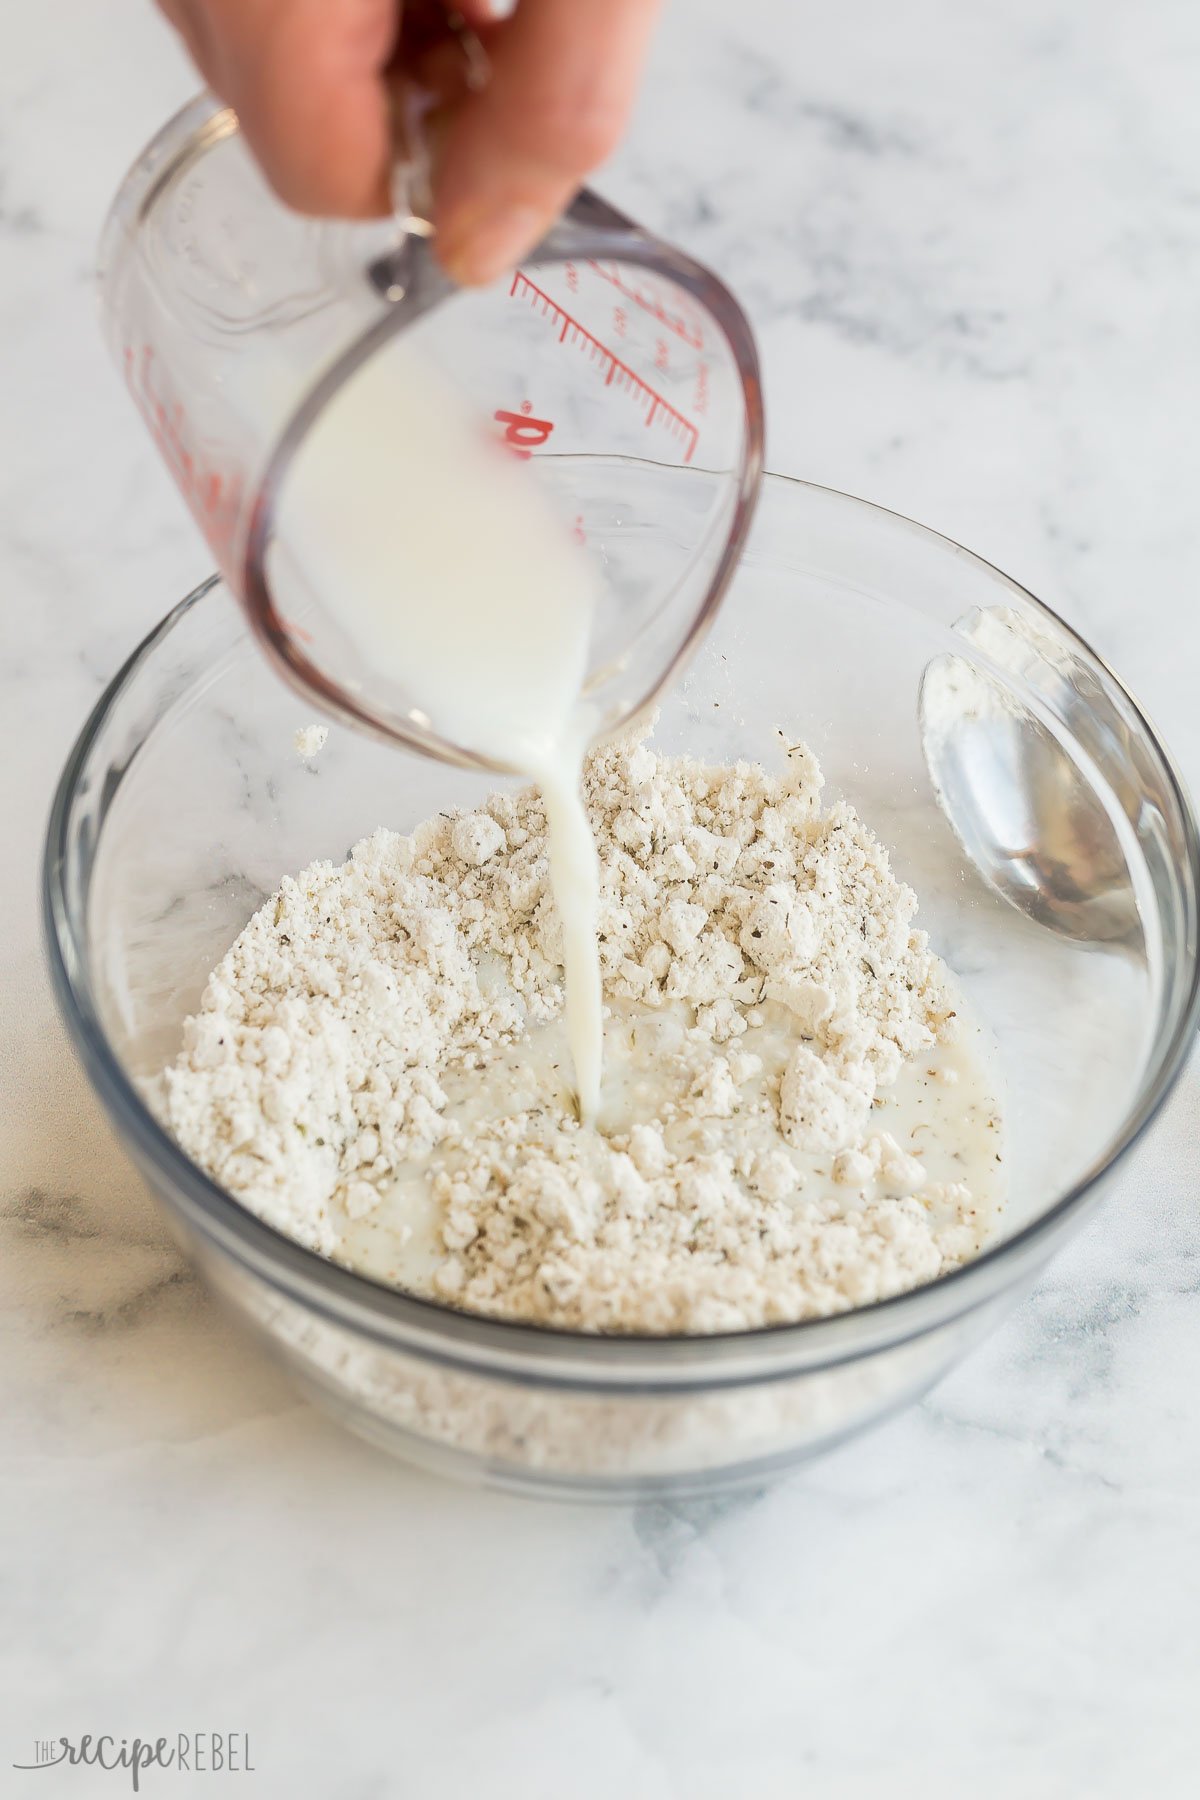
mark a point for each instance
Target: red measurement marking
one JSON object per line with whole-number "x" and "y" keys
{"x": 646, "y": 296}
{"x": 523, "y": 434}
{"x": 616, "y": 372}
{"x": 213, "y": 494}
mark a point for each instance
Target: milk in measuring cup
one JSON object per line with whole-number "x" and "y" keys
{"x": 448, "y": 570}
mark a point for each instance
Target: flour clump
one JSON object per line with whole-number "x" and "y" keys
{"x": 310, "y": 740}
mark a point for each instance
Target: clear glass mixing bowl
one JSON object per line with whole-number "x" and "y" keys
{"x": 184, "y": 802}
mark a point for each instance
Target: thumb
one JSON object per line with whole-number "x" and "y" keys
{"x": 564, "y": 73}
{"x": 305, "y": 78}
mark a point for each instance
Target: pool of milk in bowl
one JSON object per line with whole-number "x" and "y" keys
{"x": 941, "y": 1111}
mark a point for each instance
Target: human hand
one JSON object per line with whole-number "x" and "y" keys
{"x": 308, "y": 80}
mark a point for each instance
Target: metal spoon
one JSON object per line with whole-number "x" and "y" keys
{"x": 1021, "y": 807}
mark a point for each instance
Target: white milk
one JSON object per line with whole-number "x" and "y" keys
{"x": 941, "y": 1110}
{"x": 446, "y": 567}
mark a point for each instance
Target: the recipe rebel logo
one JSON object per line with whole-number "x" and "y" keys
{"x": 189, "y": 1753}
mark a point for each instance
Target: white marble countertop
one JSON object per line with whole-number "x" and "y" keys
{"x": 969, "y": 238}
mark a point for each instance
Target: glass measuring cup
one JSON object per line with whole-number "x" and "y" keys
{"x": 622, "y": 370}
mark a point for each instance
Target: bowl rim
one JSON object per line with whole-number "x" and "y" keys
{"x": 555, "y": 1355}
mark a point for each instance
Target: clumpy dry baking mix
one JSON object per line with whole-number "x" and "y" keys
{"x": 796, "y": 1120}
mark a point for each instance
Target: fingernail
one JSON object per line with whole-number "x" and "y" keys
{"x": 500, "y": 9}
{"x": 485, "y": 242}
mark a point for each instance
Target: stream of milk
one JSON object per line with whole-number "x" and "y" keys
{"x": 455, "y": 581}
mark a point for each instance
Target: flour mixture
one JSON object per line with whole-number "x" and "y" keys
{"x": 794, "y": 1120}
